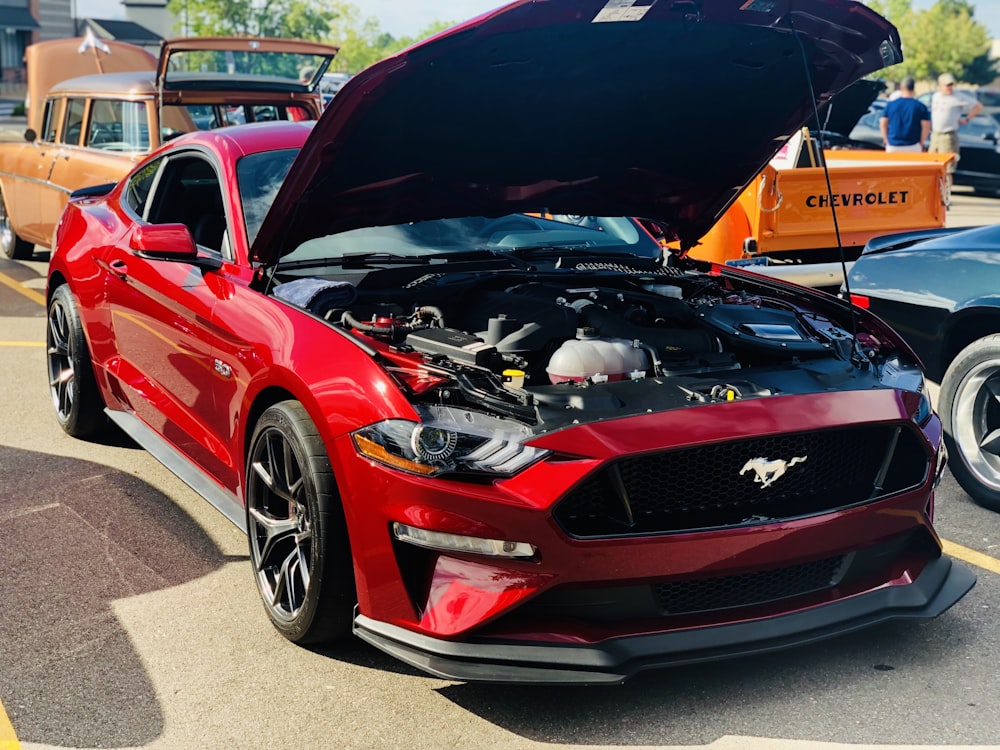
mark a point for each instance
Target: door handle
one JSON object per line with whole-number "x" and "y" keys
{"x": 119, "y": 268}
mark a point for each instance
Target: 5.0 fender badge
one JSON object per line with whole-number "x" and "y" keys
{"x": 767, "y": 471}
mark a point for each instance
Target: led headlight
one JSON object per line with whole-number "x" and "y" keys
{"x": 449, "y": 439}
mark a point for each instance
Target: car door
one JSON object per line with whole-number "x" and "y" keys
{"x": 32, "y": 166}
{"x": 161, "y": 309}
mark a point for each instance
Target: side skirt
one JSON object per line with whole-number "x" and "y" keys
{"x": 225, "y": 502}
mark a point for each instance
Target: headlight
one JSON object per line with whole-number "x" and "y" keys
{"x": 449, "y": 439}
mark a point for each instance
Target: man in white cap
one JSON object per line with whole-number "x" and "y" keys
{"x": 947, "y": 114}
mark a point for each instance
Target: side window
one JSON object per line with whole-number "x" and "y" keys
{"x": 135, "y": 126}
{"x": 188, "y": 192}
{"x": 50, "y": 119}
{"x": 118, "y": 126}
{"x": 139, "y": 186}
{"x": 75, "y": 109}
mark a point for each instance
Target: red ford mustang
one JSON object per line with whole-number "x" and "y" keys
{"x": 465, "y": 410}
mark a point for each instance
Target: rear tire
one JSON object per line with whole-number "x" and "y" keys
{"x": 970, "y": 412}
{"x": 11, "y": 245}
{"x": 75, "y": 396}
{"x": 299, "y": 546}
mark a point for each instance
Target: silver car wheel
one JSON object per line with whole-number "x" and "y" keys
{"x": 976, "y": 422}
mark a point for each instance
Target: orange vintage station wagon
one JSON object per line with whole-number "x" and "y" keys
{"x": 92, "y": 129}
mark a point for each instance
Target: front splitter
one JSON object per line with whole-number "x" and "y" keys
{"x": 941, "y": 584}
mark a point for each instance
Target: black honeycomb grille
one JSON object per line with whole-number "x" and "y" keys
{"x": 751, "y": 588}
{"x": 703, "y": 487}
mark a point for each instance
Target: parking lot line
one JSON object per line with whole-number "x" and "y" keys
{"x": 22, "y": 289}
{"x": 8, "y": 740}
{"x": 971, "y": 556}
{"x": 22, "y": 343}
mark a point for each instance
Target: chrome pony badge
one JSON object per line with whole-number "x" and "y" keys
{"x": 767, "y": 471}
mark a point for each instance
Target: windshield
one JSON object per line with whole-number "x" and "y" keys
{"x": 592, "y": 234}
{"x": 260, "y": 175}
{"x": 187, "y": 67}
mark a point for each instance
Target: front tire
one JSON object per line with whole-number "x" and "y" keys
{"x": 970, "y": 412}
{"x": 298, "y": 537}
{"x": 11, "y": 245}
{"x": 75, "y": 397}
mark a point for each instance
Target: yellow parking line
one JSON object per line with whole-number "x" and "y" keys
{"x": 22, "y": 343}
{"x": 22, "y": 289}
{"x": 971, "y": 556}
{"x": 8, "y": 740}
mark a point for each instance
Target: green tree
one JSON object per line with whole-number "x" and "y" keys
{"x": 299, "y": 19}
{"x": 361, "y": 40}
{"x": 945, "y": 38}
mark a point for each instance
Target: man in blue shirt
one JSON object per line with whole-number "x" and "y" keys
{"x": 905, "y": 122}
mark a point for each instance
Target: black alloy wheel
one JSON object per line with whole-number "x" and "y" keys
{"x": 75, "y": 397}
{"x": 298, "y": 538}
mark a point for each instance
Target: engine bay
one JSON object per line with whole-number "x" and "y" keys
{"x": 557, "y": 347}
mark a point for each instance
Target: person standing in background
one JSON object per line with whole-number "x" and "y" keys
{"x": 946, "y": 116}
{"x": 905, "y": 121}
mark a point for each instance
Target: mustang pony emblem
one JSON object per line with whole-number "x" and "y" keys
{"x": 768, "y": 470}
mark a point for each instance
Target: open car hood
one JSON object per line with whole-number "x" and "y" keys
{"x": 664, "y": 110}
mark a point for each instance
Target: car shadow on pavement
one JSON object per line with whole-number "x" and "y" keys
{"x": 78, "y": 536}
{"x": 840, "y": 690}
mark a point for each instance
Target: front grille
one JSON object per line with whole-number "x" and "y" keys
{"x": 719, "y": 485}
{"x": 708, "y": 594}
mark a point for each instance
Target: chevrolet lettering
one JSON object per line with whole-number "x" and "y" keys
{"x": 844, "y": 200}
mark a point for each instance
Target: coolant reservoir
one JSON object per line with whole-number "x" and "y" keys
{"x": 593, "y": 357}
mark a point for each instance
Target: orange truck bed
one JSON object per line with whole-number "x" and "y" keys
{"x": 787, "y": 210}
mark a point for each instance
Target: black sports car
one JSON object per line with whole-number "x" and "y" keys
{"x": 940, "y": 289}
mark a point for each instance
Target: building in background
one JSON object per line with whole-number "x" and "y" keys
{"x": 19, "y": 25}
{"x": 24, "y": 22}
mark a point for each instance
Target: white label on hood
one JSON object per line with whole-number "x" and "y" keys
{"x": 623, "y": 10}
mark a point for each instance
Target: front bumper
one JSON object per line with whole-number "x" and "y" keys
{"x": 940, "y": 585}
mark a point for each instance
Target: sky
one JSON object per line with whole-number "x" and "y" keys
{"x": 408, "y": 17}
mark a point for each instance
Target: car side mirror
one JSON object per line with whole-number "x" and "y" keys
{"x": 171, "y": 243}
{"x": 30, "y": 135}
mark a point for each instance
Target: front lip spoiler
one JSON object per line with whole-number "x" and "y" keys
{"x": 941, "y": 584}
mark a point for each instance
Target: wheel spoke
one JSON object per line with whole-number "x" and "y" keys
{"x": 992, "y": 386}
{"x": 991, "y": 442}
{"x": 275, "y": 531}
{"x": 293, "y": 478}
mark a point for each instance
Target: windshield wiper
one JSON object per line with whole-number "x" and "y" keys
{"x": 356, "y": 260}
